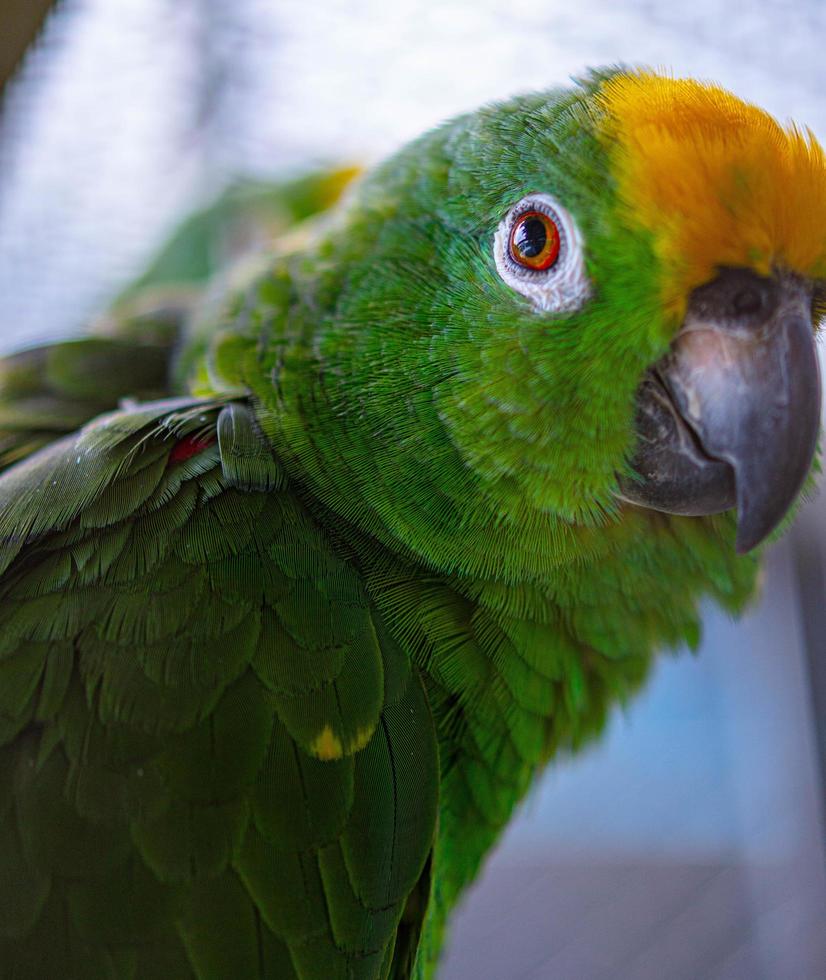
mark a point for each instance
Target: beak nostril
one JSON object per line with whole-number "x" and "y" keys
{"x": 747, "y": 301}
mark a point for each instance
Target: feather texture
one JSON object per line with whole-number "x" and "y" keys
{"x": 193, "y": 706}
{"x": 282, "y": 649}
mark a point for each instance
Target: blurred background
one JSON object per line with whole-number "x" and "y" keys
{"x": 688, "y": 845}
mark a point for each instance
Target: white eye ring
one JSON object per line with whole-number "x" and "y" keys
{"x": 562, "y": 288}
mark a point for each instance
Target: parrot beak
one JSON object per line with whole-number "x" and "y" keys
{"x": 730, "y": 416}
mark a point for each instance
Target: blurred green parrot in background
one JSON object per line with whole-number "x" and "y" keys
{"x": 309, "y": 569}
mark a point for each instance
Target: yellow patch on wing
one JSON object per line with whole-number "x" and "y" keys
{"x": 716, "y": 181}
{"x": 327, "y": 746}
{"x": 336, "y": 182}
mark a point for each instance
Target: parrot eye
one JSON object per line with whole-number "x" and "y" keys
{"x": 534, "y": 241}
{"x": 538, "y": 252}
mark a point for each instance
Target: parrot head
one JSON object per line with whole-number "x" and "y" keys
{"x": 580, "y": 304}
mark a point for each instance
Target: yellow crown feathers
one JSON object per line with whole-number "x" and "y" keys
{"x": 716, "y": 181}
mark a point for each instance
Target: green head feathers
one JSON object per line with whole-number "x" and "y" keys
{"x": 435, "y": 400}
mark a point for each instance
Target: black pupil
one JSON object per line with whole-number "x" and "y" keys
{"x": 531, "y": 237}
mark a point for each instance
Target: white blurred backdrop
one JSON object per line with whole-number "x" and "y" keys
{"x": 688, "y": 844}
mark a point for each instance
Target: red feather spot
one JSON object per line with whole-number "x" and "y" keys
{"x": 189, "y": 447}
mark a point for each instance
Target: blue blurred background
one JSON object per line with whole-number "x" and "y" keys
{"x": 687, "y": 845}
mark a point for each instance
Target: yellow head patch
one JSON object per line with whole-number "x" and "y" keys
{"x": 716, "y": 181}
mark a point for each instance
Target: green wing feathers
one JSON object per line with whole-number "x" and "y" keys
{"x": 214, "y": 760}
{"x": 50, "y": 391}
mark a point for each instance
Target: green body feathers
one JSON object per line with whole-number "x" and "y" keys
{"x": 280, "y": 654}
{"x": 209, "y": 737}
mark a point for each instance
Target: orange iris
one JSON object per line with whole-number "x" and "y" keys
{"x": 534, "y": 241}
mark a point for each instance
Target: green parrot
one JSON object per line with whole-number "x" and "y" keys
{"x": 308, "y": 571}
